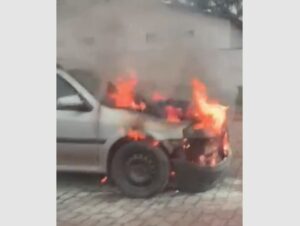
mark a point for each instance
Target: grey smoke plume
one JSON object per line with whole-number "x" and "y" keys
{"x": 167, "y": 47}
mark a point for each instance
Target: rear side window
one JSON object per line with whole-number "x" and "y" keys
{"x": 63, "y": 88}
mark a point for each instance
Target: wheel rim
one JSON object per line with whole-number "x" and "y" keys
{"x": 140, "y": 169}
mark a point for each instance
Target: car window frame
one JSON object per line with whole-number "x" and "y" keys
{"x": 58, "y": 77}
{"x": 86, "y": 102}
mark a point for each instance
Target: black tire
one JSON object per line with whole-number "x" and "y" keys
{"x": 140, "y": 170}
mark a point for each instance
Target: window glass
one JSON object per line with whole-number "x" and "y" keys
{"x": 63, "y": 88}
{"x": 88, "y": 80}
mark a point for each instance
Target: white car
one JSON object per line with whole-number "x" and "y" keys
{"x": 94, "y": 137}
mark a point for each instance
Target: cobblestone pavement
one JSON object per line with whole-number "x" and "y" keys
{"x": 83, "y": 201}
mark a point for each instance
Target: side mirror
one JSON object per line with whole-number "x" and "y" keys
{"x": 73, "y": 102}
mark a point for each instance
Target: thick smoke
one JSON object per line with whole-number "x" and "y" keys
{"x": 165, "y": 46}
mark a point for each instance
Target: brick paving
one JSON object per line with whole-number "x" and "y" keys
{"x": 83, "y": 201}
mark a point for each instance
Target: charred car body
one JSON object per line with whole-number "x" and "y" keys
{"x": 138, "y": 143}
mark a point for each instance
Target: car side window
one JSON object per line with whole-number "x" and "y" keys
{"x": 63, "y": 88}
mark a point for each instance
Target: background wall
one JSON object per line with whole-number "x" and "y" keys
{"x": 166, "y": 46}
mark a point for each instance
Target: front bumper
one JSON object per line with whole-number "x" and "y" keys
{"x": 191, "y": 177}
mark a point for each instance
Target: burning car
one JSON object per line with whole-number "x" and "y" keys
{"x": 140, "y": 142}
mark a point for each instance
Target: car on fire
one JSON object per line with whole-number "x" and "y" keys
{"x": 136, "y": 142}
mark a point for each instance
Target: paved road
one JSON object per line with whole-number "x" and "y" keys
{"x": 83, "y": 201}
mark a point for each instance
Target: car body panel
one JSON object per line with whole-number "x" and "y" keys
{"x": 78, "y": 133}
{"x": 84, "y": 139}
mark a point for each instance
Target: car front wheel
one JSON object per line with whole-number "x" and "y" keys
{"x": 140, "y": 170}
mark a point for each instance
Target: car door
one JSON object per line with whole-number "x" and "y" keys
{"x": 77, "y": 128}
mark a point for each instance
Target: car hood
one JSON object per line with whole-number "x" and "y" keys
{"x": 123, "y": 120}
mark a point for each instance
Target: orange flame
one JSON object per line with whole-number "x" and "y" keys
{"x": 156, "y": 96}
{"x": 135, "y": 135}
{"x": 173, "y": 114}
{"x": 210, "y": 115}
{"x": 124, "y": 94}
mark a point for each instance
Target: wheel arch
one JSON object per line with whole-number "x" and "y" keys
{"x": 112, "y": 151}
{"x": 119, "y": 143}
